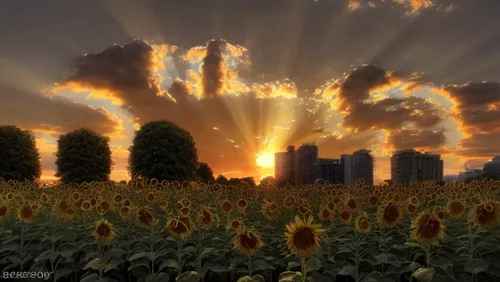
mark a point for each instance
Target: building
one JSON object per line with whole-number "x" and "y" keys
{"x": 491, "y": 169}
{"x": 285, "y": 165}
{"x": 307, "y": 164}
{"x": 357, "y": 166}
{"x": 409, "y": 166}
{"x": 469, "y": 174}
{"x": 330, "y": 170}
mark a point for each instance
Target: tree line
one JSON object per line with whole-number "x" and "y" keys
{"x": 160, "y": 150}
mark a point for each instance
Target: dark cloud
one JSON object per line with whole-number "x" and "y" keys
{"x": 389, "y": 113}
{"x": 333, "y": 147}
{"x": 52, "y": 114}
{"x": 477, "y": 108}
{"x": 418, "y": 138}
{"x": 212, "y": 69}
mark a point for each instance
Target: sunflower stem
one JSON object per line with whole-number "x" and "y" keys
{"x": 428, "y": 255}
{"x": 22, "y": 246}
{"x": 303, "y": 268}
{"x": 249, "y": 265}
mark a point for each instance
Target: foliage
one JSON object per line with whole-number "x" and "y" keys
{"x": 83, "y": 156}
{"x": 19, "y": 158}
{"x": 205, "y": 174}
{"x": 162, "y": 150}
{"x": 222, "y": 180}
{"x": 183, "y": 230}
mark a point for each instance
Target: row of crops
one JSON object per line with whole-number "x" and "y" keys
{"x": 195, "y": 232}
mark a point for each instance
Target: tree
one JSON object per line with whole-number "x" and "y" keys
{"x": 249, "y": 180}
{"x": 19, "y": 157}
{"x": 83, "y": 156}
{"x": 162, "y": 150}
{"x": 268, "y": 180}
{"x": 221, "y": 179}
{"x": 389, "y": 182}
{"x": 205, "y": 174}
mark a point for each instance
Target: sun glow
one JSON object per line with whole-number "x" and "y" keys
{"x": 265, "y": 160}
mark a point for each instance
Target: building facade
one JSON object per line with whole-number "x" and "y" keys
{"x": 330, "y": 170}
{"x": 491, "y": 169}
{"x": 307, "y": 164}
{"x": 409, "y": 165}
{"x": 357, "y": 166}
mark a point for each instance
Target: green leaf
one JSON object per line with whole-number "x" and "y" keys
{"x": 347, "y": 270}
{"x": 96, "y": 264}
{"x": 255, "y": 278}
{"x": 388, "y": 258}
{"x": 138, "y": 256}
{"x": 235, "y": 262}
{"x": 170, "y": 263}
{"x": 188, "y": 276}
{"x": 158, "y": 277}
{"x": 208, "y": 251}
{"x": 90, "y": 278}
{"x": 476, "y": 266}
{"x": 313, "y": 264}
{"x": 63, "y": 272}
{"x": 260, "y": 264}
{"x": 217, "y": 268}
{"x": 292, "y": 264}
{"x": 290, "y": 276}
{"x": 190, "y": 249}
{"x": 424, "y": 274}
{"x": 113, "y": 264}
{"x": 441, "y": 262}
{"x": 138, "y": 264}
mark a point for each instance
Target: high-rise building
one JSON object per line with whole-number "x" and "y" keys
{"x": 285, "y": 165}
{"x": 307, "y": 164}
{"x": 357, "y": 166}
{"x": 330, "y": 170}
{"x": 491, "y": 169}
{"x": 409, "y": 166}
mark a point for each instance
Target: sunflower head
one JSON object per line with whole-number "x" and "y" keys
{"x": 427, "y": 228}
{"x": 206, "y": 218}
{"x": 93, "y": 201}
{"x": 118, "y": 198}
{"x": 289, "y": 202}
{"x": 326, "y": 214}
{"x": 247, "y": 240}
{"x": 242, "y": 204}
{"x": 411, "y": 208}
{"x": 4, "y": 210}
{"x": 163, "y": 204}
{"x": 390, "y": 214}
{"x": 373, "y": 200}
{"x": 352, "y": 205}
{"x": 85, "y": 206}
{"x": 185, "y": 211}
{"x": 127, "y": 203}
{"x": 270, "y": 210}
{"x": 102, "y": 208}
{"x": 302, "y": 237}
{"x": 304, "y": 208}
{"x": 362, "y": 223}
{"x": 487, "y": 215}
{"x": 145, "y": 218}
{"x": 150, "y": 197}
{"x": 234, "y": 224}
{"x": 185, "y": 202}
{"x": 76, "y": 196}
{"x": 178, "y": 228}
{"x": 124, "y": 212}
{"x": 226, "y": 206}
{"x": 44, "y": 198}
{"x": 345, "y": 215}
{"x": 104, "y": 232}
{"x": 25, "y": 213}
{"x": 331, "y": 205}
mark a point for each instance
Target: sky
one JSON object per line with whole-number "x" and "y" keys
{"x": 248, "y": 78}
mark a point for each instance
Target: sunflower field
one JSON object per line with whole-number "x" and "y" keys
{"x": 189, "y": 231}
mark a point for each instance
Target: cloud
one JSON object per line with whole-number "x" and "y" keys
{"x": 423, "y": 139}
{"x": 51, "y": 114}
{"x": 412, "y": 6}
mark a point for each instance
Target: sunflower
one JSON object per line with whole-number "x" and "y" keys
{"x": 86, "y": 206}
{"x": 373, "y": 200}
{"x": 352, "y": 205}
{"x": 44, "y": 198}
{"x": 185, "y": 202}
{"x": 247, "y": 240}
{"x": 9, "y": 196}
{"x": 76, "y": 196}
{"x": 455, "y": 209}
{"x": 185, "y": 211}
{"x": 289, "y": 202}
{"x": 302, "y": 237}
{"x": 414, "y": 200}
{"x": 178, "y": 228}
{"x": 390, "y": 214}
{"x": 163, "y": 204}
{"x": 331, "y": 205}
{"x": 326, "y": 214}
{"x": 304, "y": 208}
{"x": 25, "y": 213}
{"x": 206, "y": 218}
{"x": 242, "y": 204}
{"x": 270, "y": 210}
{"x": 188, "y": 222}
{"x": 127, "y": 203}
{"x": 345, "y": 215}
{"x": 118, "y": 198}
{"x": 93, "y": 201}
{"x": 487, "y": 215}
{"x": 102, "y": 208}
{"x": 440, "y": 213}
{"x": 427, "y": 229}
{"x": 234, "y": 224}
{"x": 226, "y": 206}
{"x": 411, "y": 208}
{"x": 62, "y": 205}
{"x": 4, "y": 210}
{"x": 150, "y": 197}
{"x": 362, "y": 223}
{"x": 145, "y": 218}
{"x": 124, "y": 212}
{"x": 104, "y": 231}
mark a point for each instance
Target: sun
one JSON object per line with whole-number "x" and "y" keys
{"x": 265, "y": 160}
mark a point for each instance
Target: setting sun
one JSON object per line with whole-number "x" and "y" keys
{"x": 265, "y": 160}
